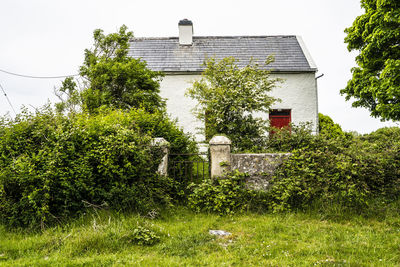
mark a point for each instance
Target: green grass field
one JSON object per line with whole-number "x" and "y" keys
{"x": 292, "y": 239}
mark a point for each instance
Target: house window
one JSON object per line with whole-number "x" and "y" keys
{"x": 280, "y": 118}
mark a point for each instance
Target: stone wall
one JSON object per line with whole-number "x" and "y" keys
{"x": 260, "y": 167}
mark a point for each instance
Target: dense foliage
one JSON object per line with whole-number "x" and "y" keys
{"x": 328, "y": 127}
{"x": 51, "y": 165}
{"x": 223, "y": 196}
{"x": 300, "y": 136}
{"x": 228, "y": 96}
{"x": 375, "y": 84}
{"x": 345, "y": 171}
{"x": 288, "y": 139}
{"x": 95, "y": 150}
{"x": 109, "y": 77}
{"x": 332, "y": 169}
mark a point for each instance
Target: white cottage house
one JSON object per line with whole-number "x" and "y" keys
{"x": 181, "y": 59}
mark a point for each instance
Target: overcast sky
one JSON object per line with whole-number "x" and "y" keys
{"x": 48, "y": 38}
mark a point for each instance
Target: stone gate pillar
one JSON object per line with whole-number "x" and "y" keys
{"x": 220, "y": 152}
{"x": 164, "y": 145}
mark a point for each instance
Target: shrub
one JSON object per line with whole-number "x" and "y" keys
{"x": 143, "y": 236}
{"x": 50, "y": 164}
{"x": 225, "y": 195}
{"x": 158, "y": 124}
{"x": 328, "y": 128}
{"x": 300, "y": 136}
{"x": 286, "y": 140}
{"x": 349, "y": 172}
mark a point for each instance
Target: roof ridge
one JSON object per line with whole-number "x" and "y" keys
{"x": 217, "y": 36}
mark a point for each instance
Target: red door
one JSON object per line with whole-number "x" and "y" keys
{"x": 280, "y": 118}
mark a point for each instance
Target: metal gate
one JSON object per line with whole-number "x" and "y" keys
{"x": 189, "y": 167}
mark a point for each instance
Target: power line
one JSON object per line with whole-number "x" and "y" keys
{"x": 9, "y": 102}
{"x": 38, "y": 77}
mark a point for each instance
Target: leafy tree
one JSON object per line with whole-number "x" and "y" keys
{"x": 375, "y": 84}
{"x": 111, "y": 78}
{"x": 228, "y": 97}
{"x": 73, "y": 101}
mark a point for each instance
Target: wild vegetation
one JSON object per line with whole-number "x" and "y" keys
{"x": 52, "y": 165}
{"x": 333, "y": 168}
{"x": 94, "y": 149}
{"x": 349, "y": 171}
{"x": 180, "y": 237}
{"x": 85, "y": 175}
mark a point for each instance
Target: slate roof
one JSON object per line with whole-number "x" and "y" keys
{"x": 165, "y": 54}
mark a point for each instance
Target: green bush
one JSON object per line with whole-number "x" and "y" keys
{"x": 143, "y": 236}
{"x": 158, "y": 124}
{"x": 328, "y": 128}
{"x": 50, "y": 165}
{"x": 349, "y": 172}
{"x": 225, "y": 195}
{"x": 300, "y": 136}
{"x": 288, "y": 139}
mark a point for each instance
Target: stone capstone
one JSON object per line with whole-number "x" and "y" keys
{"x": 220, "y": 140}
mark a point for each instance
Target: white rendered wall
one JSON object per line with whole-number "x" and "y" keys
{"x": 298, "y": 92}
{"x": 179, "y": 106}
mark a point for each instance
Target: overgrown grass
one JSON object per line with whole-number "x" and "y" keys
{"x": 181, "y": 239}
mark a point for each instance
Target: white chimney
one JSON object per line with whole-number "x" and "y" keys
{"x": 185, "y": 32}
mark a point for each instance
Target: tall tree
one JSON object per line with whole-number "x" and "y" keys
{"x": 229, "y": 96}
{"x": 112, "y": 78}
{"x": 375, "y": 84}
